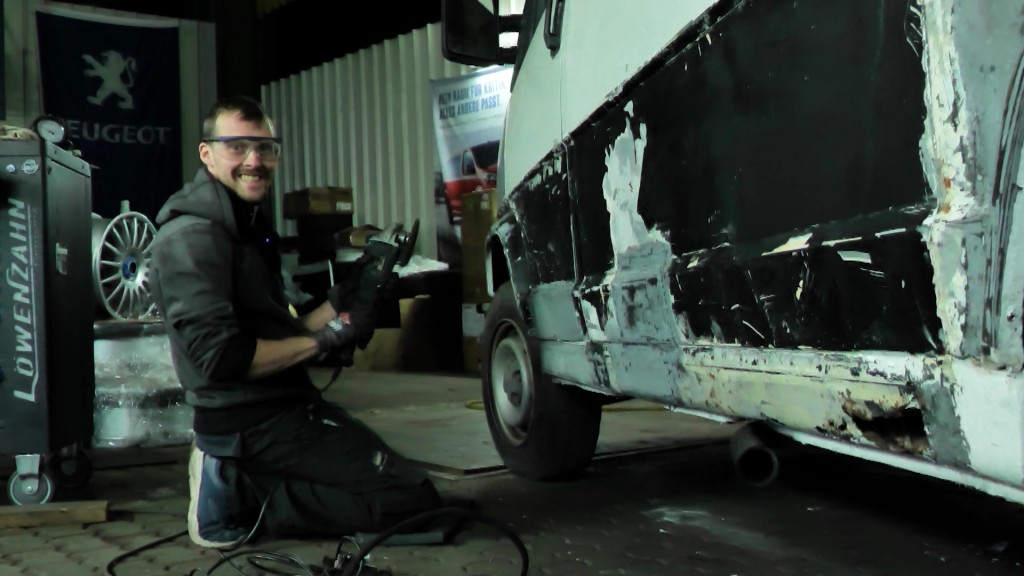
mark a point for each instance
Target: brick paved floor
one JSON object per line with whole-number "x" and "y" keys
{"x": 662, "y": 513}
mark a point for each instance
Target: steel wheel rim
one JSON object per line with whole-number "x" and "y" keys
{"x": 512, "y": 385}
{"x": 121, "y": 259}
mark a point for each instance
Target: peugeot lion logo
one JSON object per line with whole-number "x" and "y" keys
{"x": 111, "y": 71}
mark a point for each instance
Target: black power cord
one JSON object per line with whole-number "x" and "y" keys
{"x": 117, "y": 560}
{"x": 257, "y": 562}
{"x": 354, "y": 564}
{"x": 267, "y": 555}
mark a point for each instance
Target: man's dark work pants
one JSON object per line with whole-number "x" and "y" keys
{"x": 321, "y": 471}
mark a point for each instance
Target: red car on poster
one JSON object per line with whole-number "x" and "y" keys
{"x": 473, "y": 170}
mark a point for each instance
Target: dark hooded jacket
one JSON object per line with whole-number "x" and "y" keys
{"x": 216, "y": 279}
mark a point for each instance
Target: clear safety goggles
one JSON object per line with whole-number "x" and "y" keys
{"x": 239, "y": 147}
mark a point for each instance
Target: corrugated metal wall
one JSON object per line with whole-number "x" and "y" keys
{"x": 364, "y": 121}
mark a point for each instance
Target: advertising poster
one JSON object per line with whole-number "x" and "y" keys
{"x": 115, "y": 82}
{"x": 469, "y": 113}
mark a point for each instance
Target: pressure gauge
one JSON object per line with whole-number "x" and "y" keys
{"x": 51, "y": 129}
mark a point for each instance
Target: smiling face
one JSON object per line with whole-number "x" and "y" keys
{"x": 249, "y": 176}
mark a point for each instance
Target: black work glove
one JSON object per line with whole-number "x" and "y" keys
{"x": 343, "y": 294}
{"x": 360, "y": 288}
{"x": 344, "y": 332}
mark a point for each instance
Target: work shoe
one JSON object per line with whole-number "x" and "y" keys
{"x": 214, "y": 504}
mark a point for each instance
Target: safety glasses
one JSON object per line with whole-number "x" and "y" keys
{"x": 239, "y": 147}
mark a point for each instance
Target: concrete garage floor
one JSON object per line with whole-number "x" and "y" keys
{"x": 663, "y": 500}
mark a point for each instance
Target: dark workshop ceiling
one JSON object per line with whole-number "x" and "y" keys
{"x": 289, "y": 36}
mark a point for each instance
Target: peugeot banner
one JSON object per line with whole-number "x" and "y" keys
{"x": 115, "y": 83}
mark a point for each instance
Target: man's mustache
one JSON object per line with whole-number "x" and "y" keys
{"x": 260, "y": 172}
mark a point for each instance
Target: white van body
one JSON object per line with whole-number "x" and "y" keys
{"x": 800, "y": 214}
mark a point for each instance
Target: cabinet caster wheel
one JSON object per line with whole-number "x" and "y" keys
{"x": 30, "y": 489}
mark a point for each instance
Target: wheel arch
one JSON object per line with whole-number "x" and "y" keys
{"x": 542, "y": 430}
{"x": 506, "y": 259}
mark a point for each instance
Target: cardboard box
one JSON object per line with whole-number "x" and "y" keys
{"x": 473, "y": 316}
{"x": 318, "y": 200}
{"x": 479, "y": 211}
{"x": 355, "y": 236}
{"x": 471, "y": 354}
{"x": 420, "y": 344}
{"x": 385, "y": 350}
{"x": 351, "y": 237}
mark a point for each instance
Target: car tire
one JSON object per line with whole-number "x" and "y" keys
{"x": 541, "y": 429}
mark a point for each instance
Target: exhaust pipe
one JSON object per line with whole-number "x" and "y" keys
{"x": 754, "y": 461}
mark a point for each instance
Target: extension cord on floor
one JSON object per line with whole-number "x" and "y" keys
{"x": 337, "y": 567}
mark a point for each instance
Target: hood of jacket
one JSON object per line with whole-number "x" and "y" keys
{"x": 205, "y": 198}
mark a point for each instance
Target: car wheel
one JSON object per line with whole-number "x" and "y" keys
{"x": 542, "y": 430}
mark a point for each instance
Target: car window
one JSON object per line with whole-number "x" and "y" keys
{"x": 486, "y": 154}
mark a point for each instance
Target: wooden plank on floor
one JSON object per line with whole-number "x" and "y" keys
{"x": 53, "y": 514}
